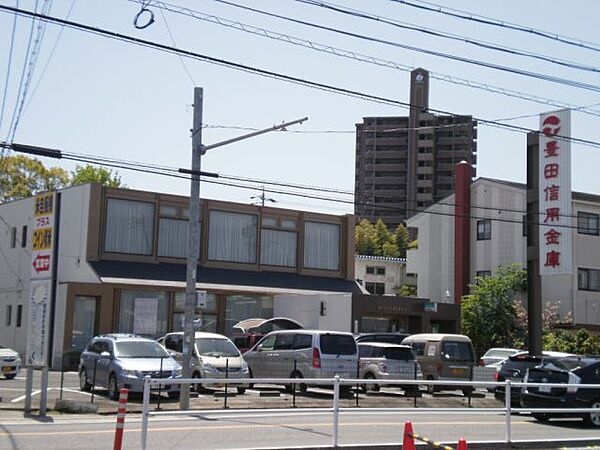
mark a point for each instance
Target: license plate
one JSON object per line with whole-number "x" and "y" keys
{"x": 458, "y": 371}
{"x": 7, "y": 369}
{"x": 547, "y": 389}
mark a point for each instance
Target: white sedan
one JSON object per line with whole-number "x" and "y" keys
{"x": 10, "y": 362}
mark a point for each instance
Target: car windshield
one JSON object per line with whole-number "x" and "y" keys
{"x": 216, "y": 347}
{"x": 499, "y": 353}
{"x": 140, "y": 349}
{"x": 457, "y": 351}
{"x": 567, "y": 364}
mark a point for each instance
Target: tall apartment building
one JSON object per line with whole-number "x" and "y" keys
{"x": 404, "y": 164}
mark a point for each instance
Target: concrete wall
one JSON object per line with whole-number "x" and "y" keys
{"x": 306, "y": 309}
{"x": 395, "y": 272}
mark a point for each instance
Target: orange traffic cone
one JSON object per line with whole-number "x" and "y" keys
{"x": 462, "y": 444}
{"x": 408, "y": 443}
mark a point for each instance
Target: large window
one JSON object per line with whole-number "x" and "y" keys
{"x": 321, "y": 246}
{"x": 240, "y": 307}
{"x": 172, "y": 238}
{"x": 484, "y": 229}
{"x": 232, "y": 237}
{"x": 375, "y": 288}
{"x": 588, "y": 223}
{"x": 84, "y": 322}
{"x": 208, "y": 313}
{"x": 588, "y": 279}
{"x": 129, "y": 227}
{"x": 278, "y": 242}
{"x": 144, "y": 313}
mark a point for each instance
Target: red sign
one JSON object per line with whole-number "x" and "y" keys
{"x": 41, "y": 263}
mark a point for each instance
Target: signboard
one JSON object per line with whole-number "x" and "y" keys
{"x": 430, "y": 307}
{"x": 39, "y": 306}
{"x": 145, "y": 316}
{"x": 555, "y": 233}
{"x": 201, "y": 298}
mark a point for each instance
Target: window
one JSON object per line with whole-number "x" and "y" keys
{"x": 375, "y": 288}
{"x": 84, "y": 322}
{"x": 302, "y": 341}
{"x": 267, "y": 343}
{"x": 19, "y": 315}
{"x": 484, "y": 229}
{"x": 380, "y": 270}
{"x": 321, "y": 246}
{"x": 172, "y": 237}
{"x": 8, "y": 315}
{"x": 278, "y": 248}
{"x": 588, "y": 279}
{"x": 284, "y": 342}
{"x": 232, "y": 237}
{"x": 240, "y": 307}
{"x": 129, "y": 227}
{"x": 13, "y": 237}
{"x": 208, "y": 314}
{"x": 588, "y": 223}
{"x": 24, "y": 236}
{"x": 418, "y": 348}
{"x": 143, "y": 312}
{"x": 370, "y": 270}
{"x": 484, "y": 273}
{"x": 525, "y": 224}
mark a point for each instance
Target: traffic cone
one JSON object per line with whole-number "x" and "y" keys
{"x": 462, "y": 444}
{"x": 408, "y": 443}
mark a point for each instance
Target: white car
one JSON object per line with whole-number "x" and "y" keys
{"x": 496, "y": 355}
{"x": 10, "y": 362}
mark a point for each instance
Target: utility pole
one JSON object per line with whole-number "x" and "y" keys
{"x": 262, "y": 197}
{"x": 198, "y": 149}
{"x": 193, "y": 249}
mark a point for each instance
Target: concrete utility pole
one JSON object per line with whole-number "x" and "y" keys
{"x": 198, "y": 149}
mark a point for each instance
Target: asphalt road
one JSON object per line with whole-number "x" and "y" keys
{"x": 280, "y": 431}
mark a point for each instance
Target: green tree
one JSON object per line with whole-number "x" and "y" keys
{"x": 377, "y": 240}
{"x": 570, "y": 341}
{"x": 384, "y": 239}
{"x": 400, "y": 237}
{"x": 22, "y": 177}
{"x": 365, "y": 238}
{"x": 488, "y": 313}
{"x": 91, "y": 174}
{"x": 406, "y": 290}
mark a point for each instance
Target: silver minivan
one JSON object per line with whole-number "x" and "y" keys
{"x": 215, "y": 356}
{"x": 382, "y": 361}
{"x": 303, "y": 354}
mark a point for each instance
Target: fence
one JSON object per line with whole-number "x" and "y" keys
{"x": 336, "y": 407}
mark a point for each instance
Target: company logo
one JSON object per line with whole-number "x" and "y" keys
{"x": 41, "y": 263}
{"x": 553, "y": 128}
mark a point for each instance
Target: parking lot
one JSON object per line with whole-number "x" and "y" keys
{"x": 12, "y": 393}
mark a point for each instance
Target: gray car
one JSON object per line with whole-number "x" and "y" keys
{"x": 116, "y": 361}
{"x": 382, "y": 361}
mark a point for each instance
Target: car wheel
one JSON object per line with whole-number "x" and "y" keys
{"x": 241, "y": 390}
{"x": 370, "y": 386}
{"x": 197, "y": 386}
{"x": 467, "y": 391}
{"x": 593, "y": 419}
{"x": 83, "y": 382}
{"x": 541, "y": 417}
{"x": 10, "y": 376}
{"x": 113, "y": 388}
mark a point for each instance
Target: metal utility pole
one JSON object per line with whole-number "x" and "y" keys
{"x": 262, "y": 197}
{"x": 198, "y": 149}
{"x": 193, "y": 249}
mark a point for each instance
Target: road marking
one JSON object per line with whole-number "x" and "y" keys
{"x": 22, "y": 397}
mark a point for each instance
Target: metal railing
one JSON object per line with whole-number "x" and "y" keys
{"x": 336, "y": 409}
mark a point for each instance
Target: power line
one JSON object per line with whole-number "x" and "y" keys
{"x": 454, "y": 37}
{"x": 275, "y": 75}
{"x": 8, "y": 67}
{"x": 539, "y": 76}
{"x": 185, "y": 69}
{"x": 500, "y": 23}
{"x": 349, "y": 54}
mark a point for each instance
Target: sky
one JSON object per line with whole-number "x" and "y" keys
{"x": 97, "y": 96}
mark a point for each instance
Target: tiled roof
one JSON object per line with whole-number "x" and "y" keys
{"x": 381, "y": 258}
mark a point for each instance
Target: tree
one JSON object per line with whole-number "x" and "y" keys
{"x": 91, "y": 174}
{"x": 377, "y": 240}
{"x": 488, "y": 313}
{"x": 365, "y": 238}
{"x": 21, "y": 176}
{"x": 406, "y": 290}
{"x": 570, "y": 341}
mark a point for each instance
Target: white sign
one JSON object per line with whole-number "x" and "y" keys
{"x": 555, "y": 232}
{"x": 145, "y": 316}
{"x": 38, "y": 323}
{"x": 201, "y": 298}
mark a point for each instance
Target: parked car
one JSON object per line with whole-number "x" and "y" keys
{"x": 304, "y": 354}
{"x": 496, "y": 355}
{"x": 444, "y": 357}
{"x": 10, "y": 363}
{"x": 390, "y": 338}
{"x": 382, "y": 361}
{"x": 248, "y": 332}
{"x": 116, "y": 361}
{"x": 215, "y": 356}
{"x": 515, "y": 368}
{"x": 570, "y": 370}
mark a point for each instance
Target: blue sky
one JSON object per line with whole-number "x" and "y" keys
{"x": 109, "y": 98}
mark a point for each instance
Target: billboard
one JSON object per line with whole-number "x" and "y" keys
{"x": 554, "y": 172}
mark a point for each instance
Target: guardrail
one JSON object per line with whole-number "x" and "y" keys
{"x": 335, "y": 409}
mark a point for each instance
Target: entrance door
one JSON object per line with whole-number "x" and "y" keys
{"x": 84, "y": 322}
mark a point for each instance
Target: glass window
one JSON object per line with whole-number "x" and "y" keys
{"x": 588, "y": 279}
{"x": 284, "y": 342}
{"x": 240, "y": 307}
{"x": 84, "y": 322}
{"x": 588, "y": 223}
{"x": 209, "y": 321}
{"x": 337, "y": 344}
{"x": 302, "y": 341}
{"x": 375, "y": 288}
{"x": 24, "y": 236}
{"x": 19, "y": 315}
{"x": 321, "y": 246}
{"x": 169, "y": 210}
{"x": 484, "y": 229}
{"x": 419, "y": 348}
{"x": 278, "y": 248}
{"x": 269, "y": 222}
{"x": 232, "y": 237}
{"x": 211, "y": 302}
{"x": 172, "y": 238}
{"x": 129, "y": 227}
{"x": 140, "y": 349}
{"x": 370, "y": 270}
{"x": 457, "y": 351}
{"x": 8, "y": 315}
{"x": 216, "y": 347}
{"x": 524, "y": 225}
{"x": 13, "y": 237}
{"x": 484, "y": 273}
{"x": 288, "y": 224}
{"x": 381, "y": 271}
{"x": 143, "y": 312}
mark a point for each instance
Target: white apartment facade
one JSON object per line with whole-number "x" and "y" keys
{"x": 382, "y": 275}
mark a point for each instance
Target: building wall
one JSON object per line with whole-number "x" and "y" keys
{"x": 395, "y": 272}
{"x": 317, "y": 312}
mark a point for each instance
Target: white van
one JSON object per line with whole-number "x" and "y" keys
{"x": 303, "y": 354}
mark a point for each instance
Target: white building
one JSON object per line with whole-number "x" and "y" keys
{"x": 382, "y": 275}
{"x": 497, "y": 237}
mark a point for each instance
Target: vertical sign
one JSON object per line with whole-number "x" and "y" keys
{"x": 555, "y": 237}
{"x": 38, "y": 321}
